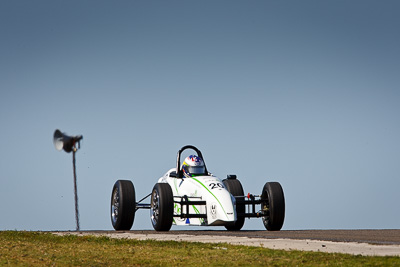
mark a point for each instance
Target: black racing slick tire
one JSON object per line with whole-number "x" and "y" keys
{"x": 123, "y": 205}
{"x": 162, "y": 207}
{"x": 273, "y": 205}
{"x": 236, "y": 189}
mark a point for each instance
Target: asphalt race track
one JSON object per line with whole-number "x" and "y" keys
{"x": 355, "y": 242}
{"x": 377, "y": 237}
{"x": 381, "y": 237}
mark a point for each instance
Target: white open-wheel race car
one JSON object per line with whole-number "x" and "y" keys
{"x": 199, "y": 200}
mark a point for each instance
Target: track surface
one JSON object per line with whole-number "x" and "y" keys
{"x": 377, "y": 237}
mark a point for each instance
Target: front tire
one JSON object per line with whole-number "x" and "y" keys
{"x": 273, "y": 205}
{"x": 123, "y": 205}
{"x": 162, "y": 207}
{"x": 236, "y": 189}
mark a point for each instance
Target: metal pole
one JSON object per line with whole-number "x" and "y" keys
{"x": 75, "y": 191}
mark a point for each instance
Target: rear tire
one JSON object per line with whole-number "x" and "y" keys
{"x": 123, "y": 205}
{"x": 162, "y": 207}
{"x": 236, "y": 189}
{"x": 274, "y": 206}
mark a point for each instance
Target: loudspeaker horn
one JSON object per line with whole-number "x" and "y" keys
{"x": 66, "y": 142}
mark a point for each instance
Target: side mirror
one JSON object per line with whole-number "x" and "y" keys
{"x": 172, "y": 174}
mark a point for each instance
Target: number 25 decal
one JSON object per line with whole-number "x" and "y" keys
{"x": 216, "y": 185}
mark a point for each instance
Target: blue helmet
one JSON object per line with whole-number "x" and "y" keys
{"x": 193, "y": 166}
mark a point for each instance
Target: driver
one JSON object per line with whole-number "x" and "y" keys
{"x": 193, "y": 166}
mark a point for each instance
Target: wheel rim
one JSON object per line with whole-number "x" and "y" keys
{"x": 155, "y": 207}
{"x": 115, "y": 206}
{"x": 266, "y": 210}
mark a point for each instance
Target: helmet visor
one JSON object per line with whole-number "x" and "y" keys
{"x": 196, "y": 170}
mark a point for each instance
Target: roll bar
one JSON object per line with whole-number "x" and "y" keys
{"x": 179, "y": 173}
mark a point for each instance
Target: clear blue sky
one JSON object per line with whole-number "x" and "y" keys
{"x": 301, "y": 92}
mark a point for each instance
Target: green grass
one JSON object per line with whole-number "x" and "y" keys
{"x": 37, "y": 248}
